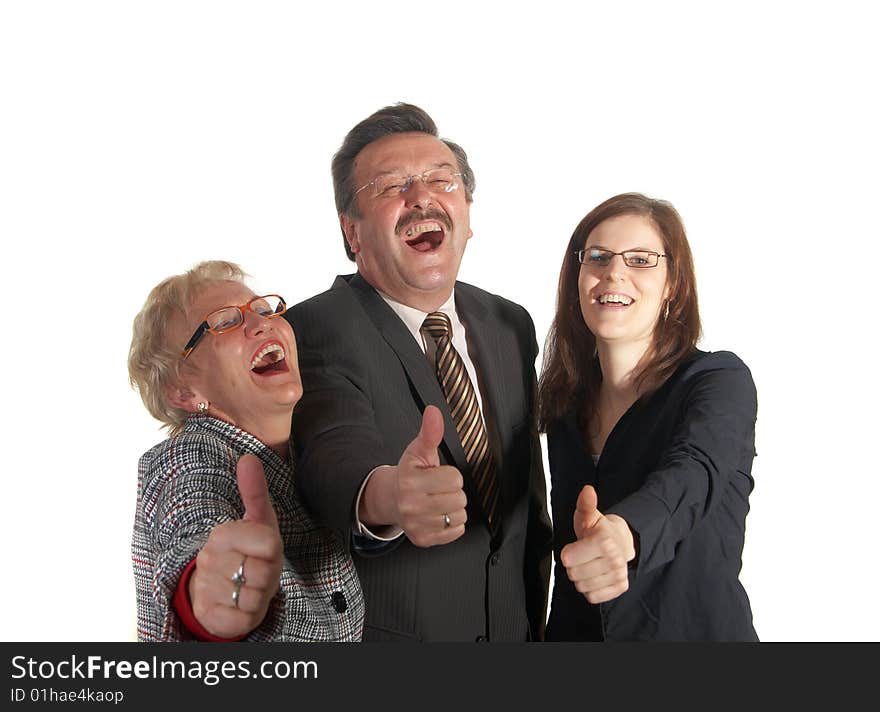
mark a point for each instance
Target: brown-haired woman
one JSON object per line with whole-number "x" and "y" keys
{"x": 650, "y": 440}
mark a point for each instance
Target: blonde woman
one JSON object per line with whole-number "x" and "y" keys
{"x": 222, "y": 548}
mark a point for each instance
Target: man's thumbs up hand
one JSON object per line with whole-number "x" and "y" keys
{"x": 430, "y": 500}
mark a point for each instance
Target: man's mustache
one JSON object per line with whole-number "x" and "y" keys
{"x": 423, "y": 216}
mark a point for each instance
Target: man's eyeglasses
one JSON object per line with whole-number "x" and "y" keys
{"x": 640, "y": 259}
{"x": 225, "y": 319}
{"x": 436, "y": 180}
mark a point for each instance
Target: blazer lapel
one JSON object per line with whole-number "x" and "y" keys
{"x": 413, "y": 360}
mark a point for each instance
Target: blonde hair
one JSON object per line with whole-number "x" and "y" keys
{"x": 153, "y": 364}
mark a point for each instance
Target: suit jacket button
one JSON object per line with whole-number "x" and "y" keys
{"x": 495, "y": 558}
{"x": 339, "y": 602}
{"x": 481, "y": 639}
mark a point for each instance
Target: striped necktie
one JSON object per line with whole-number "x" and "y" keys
{"x": 465, "y": 410}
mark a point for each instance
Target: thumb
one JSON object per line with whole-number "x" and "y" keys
{"x": 423, "y": 449}
{"x": 587, "y": 514}
{"x": 254, "y": 492}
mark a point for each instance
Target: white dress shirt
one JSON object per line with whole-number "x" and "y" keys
{"x": 413, "y": 320}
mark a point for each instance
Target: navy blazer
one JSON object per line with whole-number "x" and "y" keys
{"x": 366, "y": 383}
{"x": 677, "y": 467}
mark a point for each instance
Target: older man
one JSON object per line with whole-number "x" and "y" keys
{"x": 445, "y": 505}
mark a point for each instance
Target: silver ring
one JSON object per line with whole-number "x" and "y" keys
{"x": 238, "y": 577}
{"x": 238, "y": 581}
{"x": 446, "y": 521}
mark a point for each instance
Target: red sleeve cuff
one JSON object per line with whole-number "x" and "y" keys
{"x": 183, "y": 607}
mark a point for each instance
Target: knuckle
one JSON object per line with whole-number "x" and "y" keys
{"x": 253, "y": 573}
{"x": 198, "y": 585}
{"x": 406, "y": 507}
{"x": 276, "y": 547}
{"x": 200, "y": 610}
{"x": 416, "y": 537}
{"x": 427, "y": 540}
{"x": 206, "y": 558}
{"x": 449, "y": 536}
{"x": 567, "y": 555}
{"x": 406, "y": 478}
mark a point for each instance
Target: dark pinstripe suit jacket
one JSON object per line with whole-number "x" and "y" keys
{"x": 366, "y": 384}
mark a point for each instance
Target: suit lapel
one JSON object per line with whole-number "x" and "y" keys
{"x": 412, "y": 358}
{"x": 486, "y": 352}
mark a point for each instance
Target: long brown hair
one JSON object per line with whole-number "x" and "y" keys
{"x": 571, "y": 376}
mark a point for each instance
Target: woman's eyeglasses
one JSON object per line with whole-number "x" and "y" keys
{"x": 640, "y": 259}
{"x": 225, "y": 319}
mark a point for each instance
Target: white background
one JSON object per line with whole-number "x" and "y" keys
{"x": 139, "y": 138}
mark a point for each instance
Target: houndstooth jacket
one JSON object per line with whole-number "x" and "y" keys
{"x": 187, "y": 486}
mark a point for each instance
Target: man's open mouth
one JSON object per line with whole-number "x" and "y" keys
{"x": 269, "y": 360}
{"x": 424, "y": 236}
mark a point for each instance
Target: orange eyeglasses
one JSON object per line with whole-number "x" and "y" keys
{"x": 226, "y": 319}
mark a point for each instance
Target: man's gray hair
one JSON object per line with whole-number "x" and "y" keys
{"x": 398, "y": 118}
